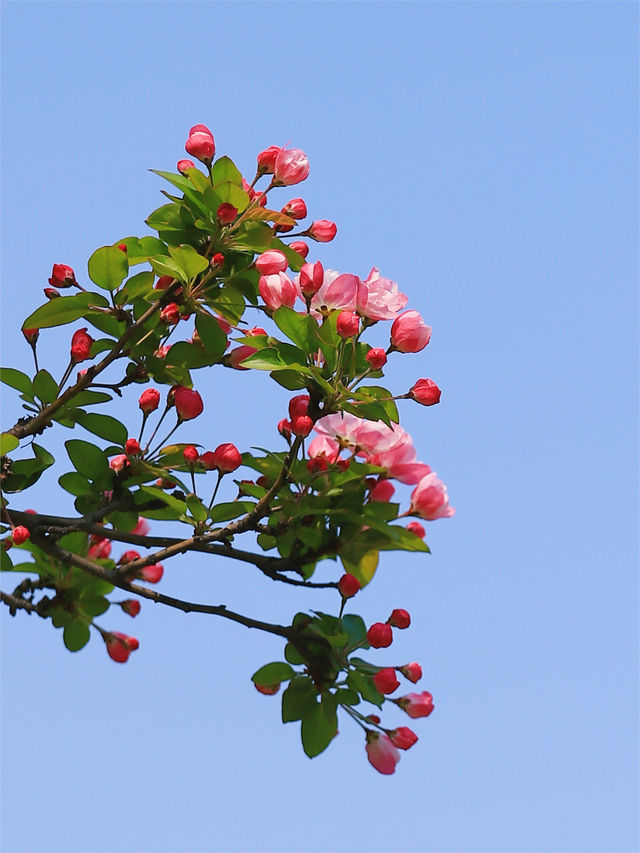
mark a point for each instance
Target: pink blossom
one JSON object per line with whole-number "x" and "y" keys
{"x": 271, "y": 262}
{"x": 381, "y": 753}
{"x": 118, "y": 462}
{"x": 342, "y": 427}
{"x": 238, "y": 355}
{"x": 100, "y": 550}
{"x": 416, "y": 704}
{"x": 429, "y": 499}
{"x": 403, "y": 737}
{"x": 399, "y": 459}
{"x": 382, "y": 492}
{"x": 379, "y": 298}
{"x": 142, "y": 527}
{"x": 278, "y": 290}
{"x": 409, "y": 332}
{"x": 337, "y": 293}
{"x": 324, "y": 446}
{"x": 290, "y": 166}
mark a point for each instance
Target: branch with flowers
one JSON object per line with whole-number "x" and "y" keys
{"x": 221, "y": 250}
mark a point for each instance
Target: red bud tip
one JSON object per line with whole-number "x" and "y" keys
{"x": 149, "y": 400}
{"x": 190, "y": 454}
{"x": 62, "y": 276}
{"x": 379, "y": 635}
{"x": 131, "y": 606}
{"x": 183, "y": 165}
{"x": 300, "y": 247}
{"x": 20, "y": 534}
{"x": 81, "y": 345}
{"x": 322, "y": 231}
{"x": 32, "y": 335}
{"x": 385, "y": 681}
{"x": 348, "y": 585}
{"x": 425, "y": 392}
{"x": 226, "y": 213}
{"x": 376, "y": 358}
{"x": 400, "y": 618}
{"x": 188, "y": 403}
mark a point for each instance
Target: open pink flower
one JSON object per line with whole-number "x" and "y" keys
{"x": 381, "y": 753}
{"x": 338, "y": 292}
{"x": 430, "y": 500}
{"x": 379, "y": 298}
{"x": 342, "y": 427}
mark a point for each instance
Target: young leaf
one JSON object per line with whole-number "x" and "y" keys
{"x": 272, "y": 673}
{"x": 108, "y": 267}
{"x": 87, "y": 458}
{"x": 76, "y": 635}
{"x": 45, "y": 386}
{"x": 189, "y": 261}
{"x": 224, "y": 169}
{"x": 319, "y": 726}
{"x": 8, "y": 443}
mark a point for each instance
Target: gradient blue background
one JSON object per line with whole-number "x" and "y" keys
{"x": 484, "y": 155}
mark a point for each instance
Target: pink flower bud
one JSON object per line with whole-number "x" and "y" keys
{"x": 226, "y": 213}
{"x": 200, "y": 144}
{"x": 298, "y": 405}
{"x": 416, "y": 704}
{"x": 132, "y": 447}
{"x": 409, "y": 332}
{"x": 123, "y": 248}
{"x": 208, "y": 460}
{"x": 188, "y": 403}
{"x": 376, "y": 358}
{"x": 32, "y": 335}
{"x": 255, "y": 332}
{"x": 301, "y": 426}
{"x": 119, "y": 462}
{"x": 426, "y": 392}
{"x": 190, "y": 454}
{"x": 412, "y": 671}
{"x": 183, "y": 165}
{"x": 284, "y": 428}
{"x": 131, "y": 606}
{"x": 347, "y": 324}
{"x": 385, "y": 680}
{"x": 20, "y": 534}
{"x": 170, "y": 314}
{"x": 81, "y": 345}
{"x": 271, "y": 262}
{"x": 379, "y": 635}
{"x": 100, "y": 549}
{"x": 51, "y": 293}
{"x": 163, "y": 282}
{"x": 403, "y": 737}
{"x": 267, "y": 160}
{"x": 348, "y": 585}
{"x": 290, "y": 166}
{"x": 62, "y": 276}
{"x": 429, "y": 499}
{"x": 296, "y": 208}
{"x": 267, "y": 689}
{"x": 300, "y": 247}
{"x": 119, "y": 646}
{"x": 373, "y": 718}
{"x": 151, "y": 574}
{"x": 277, "y": 290}
{"x": 142, "y": 527}
{"x": 311, "y": 278}
{"x": 416, "y": 528}
{"x": 381, "y": 753}
{"x": 382, "y": 492}
{"x": 128, "y": 557}
{"x": 317, "y": 465}
{"x": 322, "y": 230}
{"x": 399, "y": 618}
{"x": 227, "y": 458}
{"x": 149, "y": 400}
{"x": 217, "y": 260}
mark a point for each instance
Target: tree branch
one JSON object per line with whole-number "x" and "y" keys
{"x": 186, "y": 606}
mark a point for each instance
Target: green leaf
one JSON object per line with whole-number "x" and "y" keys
{"x": 196, "y": 508}
{"x": 298, "y": 699}
{"x": 319, "y": 726}
{"x": 108, "y": 267}
{"x": 289, "y": 379}
{"x": 293, "y": 655}
{"x": 8, "y": 443}
{"x": 91, "y": 398}
{"x": 16, "y": 379}
{"x": 76, "y": 634}
{"x": 228, "y": 511}
{"x": 171, "y": 501}
{"x": 276, "y": 359}
{"x": 363, "y": 685}
{"x": 65, "y": 309}
{"x": 211, "y": 335}
{"x": 301, "y": 329}
{"x": 188, "y": 261}
{"x": 25, "y": 472}
{"x": 45, "y": 386}
{"x": 272, "y": 673}
{"x": 87, "y": 458}
{"x": 405, "y": 540}
{"x": 189, "y": 355}
{"x": 103, "y": 426}
{"x": 137, "y": 287}
{"x": 75, "y": 483}
{"x": 356, "y": 629}
{"x": 364, "y": 568}
{"x": 224, "y": 169}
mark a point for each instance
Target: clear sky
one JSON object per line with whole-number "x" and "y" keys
{"x": 484, "y": 155}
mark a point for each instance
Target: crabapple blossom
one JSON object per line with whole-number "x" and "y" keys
{"x": 300, "y": 247}
{"x": 429, "y": 499}
{"x": 188, "y": 403}
{"x": 151, "y": 574}
{"x": 376, "y": 358}
{"x": 119, "y": 646}
{"x": 399, "y": 618}
{"x": 227, "y": 458}
{"x": 62, "y": 276}
{"x": 348, "y": 585}
{"x": 20, "y": 534}
{"x": 267, "y": 159}
{"x": 379, "y": 298}
{"x": 426, "y": 392}
{"x": 226, "y": 213}
{"x": 132, "y": 447}
{"x": 385, "y": 680}
{"x": 200, "y": 144}
{"x": 183, "y": 165}
{"x": 298, "y": 405}
{"x": 131, "y": 606}
{"x": 412, "y": 671}
{"x": 322, "y": 230}
{"x": 409, "y": 332}
{"x": 381, "y": 752}
{"x": 290, "y": 166}
{"x": 382, "y": 492}
{"x": 311, "y": 278}
{"x": 149, "y": 400}
{"x": 416, "y": 528}
{"x": 380, "y": 635}
{"x": 347, "y": 324}
{"x": 416, "y": 704}
{"x": 277, "y": 290}
{"x": 271, "y": 262}
{"x": 31, "y": 335}
{"x": 81, "y": 345}
{"x": 190, "y": 454}
{"x": 403, "y": 737}
{"x": 296, "y": 208}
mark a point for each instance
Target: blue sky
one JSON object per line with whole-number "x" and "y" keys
{"x": 483, "y": 155}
